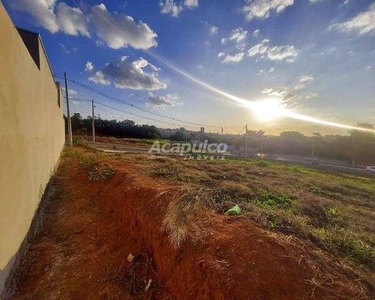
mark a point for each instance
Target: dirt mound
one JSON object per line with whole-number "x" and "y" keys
{"x": 82, "y": 250}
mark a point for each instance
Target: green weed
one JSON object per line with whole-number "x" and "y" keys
{"x": 272, "y": 200}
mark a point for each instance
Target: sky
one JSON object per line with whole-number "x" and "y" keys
{"x": 310, "y": 57}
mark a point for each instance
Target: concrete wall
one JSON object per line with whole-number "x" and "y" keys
{"x": 31, "y": 136}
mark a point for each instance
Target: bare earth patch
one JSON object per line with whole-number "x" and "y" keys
{"x": 167, "y": 213}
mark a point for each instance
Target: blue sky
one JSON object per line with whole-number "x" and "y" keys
{"x": 314, "y": 57}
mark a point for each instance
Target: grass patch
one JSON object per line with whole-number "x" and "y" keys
{"x": 334, "y": 211}
{"x": 100, "y": 172}
{"x": 77, "y": 141}
{"x": 272, "y": 200}
{"x": 86, "y": 162}
{"x": 343, "y": 242}
{"x": 262, "y": 163}
{"x": 96, "y": 170}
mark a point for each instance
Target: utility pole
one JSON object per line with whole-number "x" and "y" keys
{"x": 313, "y": 148}
{"x": 246, "y": 138}
{"x": 93, "y": 121}
{"x": 70, "y": 137}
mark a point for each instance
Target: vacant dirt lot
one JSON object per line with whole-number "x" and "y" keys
{"x": 146, "y": 227}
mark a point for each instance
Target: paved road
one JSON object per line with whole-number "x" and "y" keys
{"x": 119, "y": 148}
{"x": 107, "y": 147}
{"x": 325, "y": 166}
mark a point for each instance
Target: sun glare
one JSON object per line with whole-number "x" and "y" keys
{"x": 268, "y": 109}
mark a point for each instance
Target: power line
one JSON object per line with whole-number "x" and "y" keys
{"x": 128, "y": 113}
{"x": 142, "y": 109}
{"x": 142, "y": 117}
{"x": 139, "y": 116}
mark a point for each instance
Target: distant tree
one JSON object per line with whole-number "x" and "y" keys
{"x": 356, "y": 148}
{"x": 126, "y": 128}
{"x": 362, "y": 144}
{"x": 291, "y": 135}
{"x": 180, "y": 136}
{"x": 77, "y": 123}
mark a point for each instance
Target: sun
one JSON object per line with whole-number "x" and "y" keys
{"x": 268, "y": 109}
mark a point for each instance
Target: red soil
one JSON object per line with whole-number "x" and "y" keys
{"x": 82, "y": 248}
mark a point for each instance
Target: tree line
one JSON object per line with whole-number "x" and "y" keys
{"x": 358, "y": 147}
{"x": 121, "y": 129}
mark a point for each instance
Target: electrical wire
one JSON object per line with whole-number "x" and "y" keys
{"x": 127, "y": 112}
{"x": 106, "y": 95}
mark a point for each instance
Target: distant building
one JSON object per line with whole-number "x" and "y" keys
{"x": 167, "y": 132}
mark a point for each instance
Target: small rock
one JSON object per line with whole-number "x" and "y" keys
{"x": 130, "y": 257}
{"x": 148, "y": 285}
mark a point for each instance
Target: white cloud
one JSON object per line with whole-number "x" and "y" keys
{"x": 368, "y": 68}
{"x": 306, "y": 78}
{"x": 312, "y": 95}
{"x": 100, "y": 78}
{"x": 275, "y": 93}
{"x": 121, "y": 31}
{"x": 256, "y": 32}
{"x": 54, "y": 18}
{"x": 221, "y": 54}
{"x": 161, "y": 102}
{"x": 270, "y": 70}
{"x": 344, "y": 2}
{"x": 237, "y": 35}
{"x": 71, "y": 20}
{"x": 68, "y": 51}
{"x": 234, "y": 58}
{"x": 300, "y": 86}
{"x": 273, "y": 53}
{"x": 70, "y": 92}
{"x": 174, "y": 9}
{"x": 214, "y": 30}
{"x": 89, "y": 66}
{"x": 261, "y": 8}
{"x": 267, "y": 90}
{"x": 257, "y": 49}
{"x": 40, "y": 10}
{"x": 281, "y": 52}
{"x": 126, "y": 73}
{"x": 363, "y": 23}
{"x": 169, "y": 7}
{"x": 191, "y": 3}
{"x": 241, "y": 47}
{"x": 116, "y": 30}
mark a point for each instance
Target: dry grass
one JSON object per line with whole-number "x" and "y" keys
{"x": 333, "y": 211}
{"x": 182, "y": 221}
